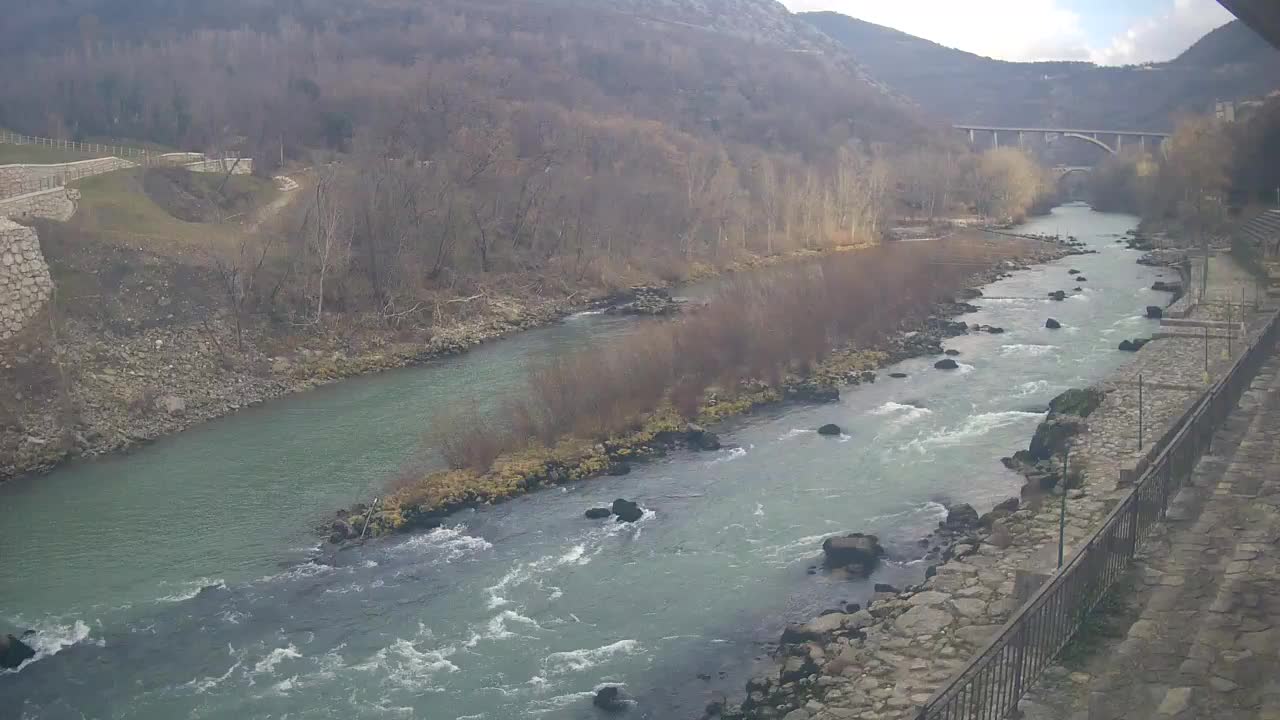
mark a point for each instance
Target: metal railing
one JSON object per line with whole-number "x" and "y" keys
{"x": 121, "y": 151}
{"x": 67, "y": 174}
{"x": 991, "y": 684}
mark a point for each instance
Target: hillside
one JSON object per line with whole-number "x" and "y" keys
{"x": 470, "y": 168}
{"x": 1230, "y": 63}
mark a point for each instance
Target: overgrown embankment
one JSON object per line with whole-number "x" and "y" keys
{"x": 792, "y": 333}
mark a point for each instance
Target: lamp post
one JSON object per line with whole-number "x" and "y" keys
{"x": 1062, "y": 512}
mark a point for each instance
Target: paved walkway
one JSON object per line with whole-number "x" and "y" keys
{"x": 1206, "y": 642}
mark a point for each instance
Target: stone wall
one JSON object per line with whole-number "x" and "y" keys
{"x": 25, "y": 284}
{"x": 53, "y": 204}
{"x": 22, "y": 179}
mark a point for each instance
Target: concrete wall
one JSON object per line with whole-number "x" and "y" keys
{"x": 25, "y": 284}
{"x": 244, "y": 167}
{"x": 54, "y": 204}
{"x": 22, "y": 179}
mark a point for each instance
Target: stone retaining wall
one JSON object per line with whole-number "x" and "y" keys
{"x": 22, "y": 179}
{"x": 54, "y": 204}
{"x": 25, "y": 284}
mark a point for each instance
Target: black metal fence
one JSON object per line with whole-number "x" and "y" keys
{"x": 991, "y": 684}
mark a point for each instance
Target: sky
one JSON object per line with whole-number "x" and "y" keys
{"x": 1107, "y": 32}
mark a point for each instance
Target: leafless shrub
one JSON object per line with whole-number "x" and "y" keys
{"x": 762, "y": 326}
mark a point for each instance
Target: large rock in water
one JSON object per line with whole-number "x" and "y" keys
{"x": 699, "y": 438}
{"x": 857, "y": 552}
{"x": 1052, "y": 324}
{"x": 598, "y": 513}
{"x": 14, "y": 652}
{"x": 1053, "y": 436}
{"x": 947, "y": 364}
{"x": 830, "y": 429}
{"x": 610, "y": 699}
{"x": 626, "y": 510}
{"x": 1077, "y": 401}
{"x": 1155, "y": 312}
{"x": 961, "y": 517}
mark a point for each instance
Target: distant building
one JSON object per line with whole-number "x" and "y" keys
{"x": 1225, "y": 111}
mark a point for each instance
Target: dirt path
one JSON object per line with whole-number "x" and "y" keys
{"x": 288, "y": 193}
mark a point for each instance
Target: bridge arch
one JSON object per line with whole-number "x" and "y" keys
{"x": 1090, "y": 139}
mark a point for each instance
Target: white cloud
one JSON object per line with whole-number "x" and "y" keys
{"x": 1164, "y": 36}
{"x": 1033, "y": 29}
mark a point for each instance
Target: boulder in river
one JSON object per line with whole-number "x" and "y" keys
{"x": 1052, "y": 324}
{"x": 830, "y": 429}
{"x": 626, "y": 510}
{"x": 701, "y": 439}
{"x": 952, "y": 353}
{"x": 1155, "y": 312}
{"x": 1073, "y": 271}
{"x": 1081, "y": 278}
{"x": 810, "y": 391}
{"x": 644, "y": 301}
{"x": 610, "y": 699}
{"x": 857, "y": 552}
{"x": 960, "y": 517}
{"x": 598, "y": 513}
{"x": 1058, "y": 295}
{"x": 14, "y": 652}
{"x": 1133, "y": 345}
{"x": 1077, "y": 401}
{"x": 1002, "y": 510}
{"x": 947, "y": 364}
{"x": 617, "y": 469}
{"x": 897, "y": 376}
{"x": 1053, "y": 436}
{"x": 341, "y": 530}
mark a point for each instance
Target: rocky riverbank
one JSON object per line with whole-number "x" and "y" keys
{"x": 124, "y": 391}
{"x": 425, "y": 504}
{"x": 884, "y": 661}
{"x": 103, "y": 383}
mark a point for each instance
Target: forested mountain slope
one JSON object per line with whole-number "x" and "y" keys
{"x": 1230, "y": 63}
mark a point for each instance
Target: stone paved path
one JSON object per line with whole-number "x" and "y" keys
{"x": 1206, "y": 643}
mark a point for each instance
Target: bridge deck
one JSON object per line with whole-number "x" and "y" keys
{"x": 1127, "y": 133}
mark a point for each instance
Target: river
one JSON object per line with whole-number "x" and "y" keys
{"x": 522, "y": 609}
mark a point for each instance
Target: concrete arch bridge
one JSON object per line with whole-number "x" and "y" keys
{"x": 1113, "y": 141}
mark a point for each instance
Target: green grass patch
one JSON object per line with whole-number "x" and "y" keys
{"x": 41, "y": 155}
{"x": 116, "y": 206}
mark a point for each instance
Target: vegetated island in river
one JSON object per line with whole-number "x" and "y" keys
{"x": 796, "y": 332}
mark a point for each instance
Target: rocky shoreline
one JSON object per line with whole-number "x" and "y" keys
{"x": 884, "y": 661}
{"x": 204, "y": 380}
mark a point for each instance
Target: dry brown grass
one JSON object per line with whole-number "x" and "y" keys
{"x": 763, "y": 326}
